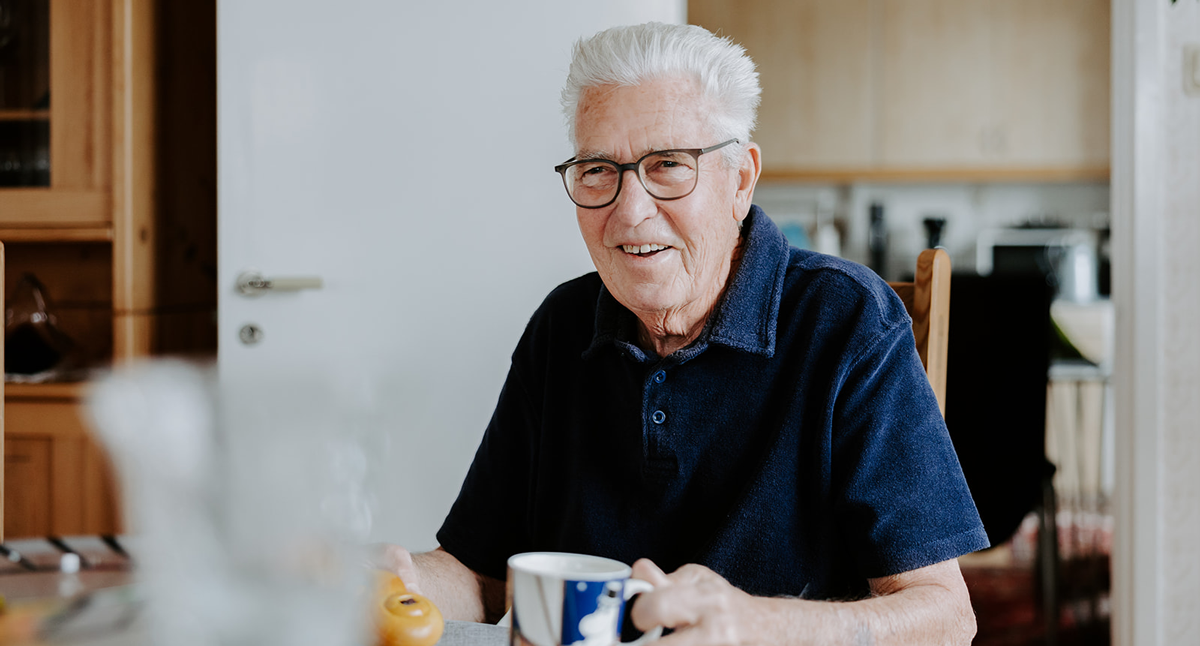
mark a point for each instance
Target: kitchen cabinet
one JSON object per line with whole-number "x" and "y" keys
{"x": 1050, "y": 82}
{"x": 934, "y": 102}
{"x": 59, "y": 481}
{"x": 27, "y": 507}
{"x": 107, "y": 196}
{"x": 814, "y": 64}
{"x": 926, "y": 89}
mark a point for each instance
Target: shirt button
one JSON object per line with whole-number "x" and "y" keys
{"x": 660, "y": 377}
{"x": 658, "y": 417}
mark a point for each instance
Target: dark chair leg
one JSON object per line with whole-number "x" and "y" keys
{"x": 1048, "y": 559}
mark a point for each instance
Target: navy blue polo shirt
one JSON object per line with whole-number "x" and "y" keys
{"x": 795, "y": 447}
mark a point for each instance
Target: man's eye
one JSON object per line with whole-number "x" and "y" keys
{"x": 669, "y": 166}
{"x": 595, "y": 176}
{"x": 668, "y": 161}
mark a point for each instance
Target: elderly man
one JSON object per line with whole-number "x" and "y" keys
{"x": 712, "y": 403}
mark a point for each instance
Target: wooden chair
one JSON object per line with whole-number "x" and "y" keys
{"x": 927, "y": 300}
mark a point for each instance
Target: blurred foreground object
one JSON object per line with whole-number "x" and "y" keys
{"x": 248, "y": 506}
{"x": 403, "y": 618}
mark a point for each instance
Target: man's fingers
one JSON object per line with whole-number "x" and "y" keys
{"x": 670, "y": 606}
{"x": 692, "y": 574}
{"x": 646, "y": 570}
{"x": 398, "y": 561}
{"x": 683, "y": 637}
{"x": 693, "y": 600}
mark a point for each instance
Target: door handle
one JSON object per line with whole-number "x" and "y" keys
{"x": 252, "y": 283}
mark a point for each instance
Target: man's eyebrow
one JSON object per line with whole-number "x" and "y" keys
{"x": 601, "y": 154}
{"x": 593, "y": 154}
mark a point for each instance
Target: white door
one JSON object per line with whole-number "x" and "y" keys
{"x": 402, "y": 152}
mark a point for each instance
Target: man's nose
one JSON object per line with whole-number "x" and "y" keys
{"x": 633, "y": 203}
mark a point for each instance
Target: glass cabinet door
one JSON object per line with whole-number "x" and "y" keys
{"x": 24, "y": 93}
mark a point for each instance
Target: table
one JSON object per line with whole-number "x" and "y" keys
{"x": 18, "y": 587}
{"x": 28, "y": 576}
{"x": 465, "y": 633}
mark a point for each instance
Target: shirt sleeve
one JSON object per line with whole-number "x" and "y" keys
{"x": 901, "y": 499}
{"x": 487, "y": 522}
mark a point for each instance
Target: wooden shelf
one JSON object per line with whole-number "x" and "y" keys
{"x": 55, "y": 208}
{"x": 54, "y": 390}
{"x": 934, "y": 175}
{"x": 48, "y": 234}
{"x": 24, "y": 115}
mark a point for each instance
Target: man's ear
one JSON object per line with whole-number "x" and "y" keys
{"x": 747, "y": 177}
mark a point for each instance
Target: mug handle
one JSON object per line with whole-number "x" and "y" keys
{"x": 638, "y": 586}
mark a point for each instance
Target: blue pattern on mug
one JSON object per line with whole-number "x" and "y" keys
{"x": 591, "y": 612}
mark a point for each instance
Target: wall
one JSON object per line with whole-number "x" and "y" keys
{"x": 1156, "y": 234}
{"x": 1180, "y": 294}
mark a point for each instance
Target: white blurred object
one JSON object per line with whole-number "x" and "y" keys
{"x": 247, "y": 506}
{"x": 1089, "y": 326}
{"x": 1076, "y": 268}
{"x": 68, "y": 576}
{"x": 828, "y": 240}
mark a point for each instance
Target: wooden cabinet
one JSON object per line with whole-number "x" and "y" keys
{"x": 58, "y": 479}
{"x": 1020, "y": 84}
{"x": 934, "y": 102}
{"x": 814, "y": 64}
{"x": 1050, "y": 82}
{"x": 926, "y": 89}
{"x": 121, "y": 230}
{"x": 27, "y": 505}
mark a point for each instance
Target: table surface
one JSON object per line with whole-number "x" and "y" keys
{"x": 465, "y": 633}
{"x": 30, "y": 587}
{"x": 29, "y": 577}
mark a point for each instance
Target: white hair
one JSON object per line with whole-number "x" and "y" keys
{"x": 632, "y": 55}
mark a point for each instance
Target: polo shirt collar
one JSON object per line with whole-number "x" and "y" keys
{"x": 744, "y": 319}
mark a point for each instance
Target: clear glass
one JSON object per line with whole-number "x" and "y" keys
{"x": 24, "y": 93}
{"x": 251, "y": 506}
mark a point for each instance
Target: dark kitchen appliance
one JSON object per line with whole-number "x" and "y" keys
{"x": 877, "y": 240}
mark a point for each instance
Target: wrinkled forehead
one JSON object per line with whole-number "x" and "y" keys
{"x": 624, "y": 120}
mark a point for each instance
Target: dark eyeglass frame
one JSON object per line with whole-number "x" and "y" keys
{"x": 695, "y": 153}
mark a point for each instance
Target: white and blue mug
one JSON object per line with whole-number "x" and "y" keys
{"x": 560, "y": 599}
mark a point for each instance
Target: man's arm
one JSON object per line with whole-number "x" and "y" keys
{"x": 459, "y": 592}
{"x": 929, "y": 605}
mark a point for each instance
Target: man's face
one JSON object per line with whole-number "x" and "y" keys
{"x": 692, "y": 239}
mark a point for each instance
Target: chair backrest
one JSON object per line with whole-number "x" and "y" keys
{"x": 996, "y": 372}
{"x": 927, "y": 300}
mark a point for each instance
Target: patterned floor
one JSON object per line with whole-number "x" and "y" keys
{"x": 1008, "y": 605}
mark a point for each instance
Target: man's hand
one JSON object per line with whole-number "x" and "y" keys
{"x": 700, "y": 604}
{"x": 457, "y": 590}
{"x": 929, "y": 605}
{"x": 398, "y": 561}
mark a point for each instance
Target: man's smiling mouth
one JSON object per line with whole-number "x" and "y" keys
{"x": 644, "y": 250}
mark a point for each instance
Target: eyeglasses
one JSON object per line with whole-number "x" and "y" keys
{"x": 665, "y": 174}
